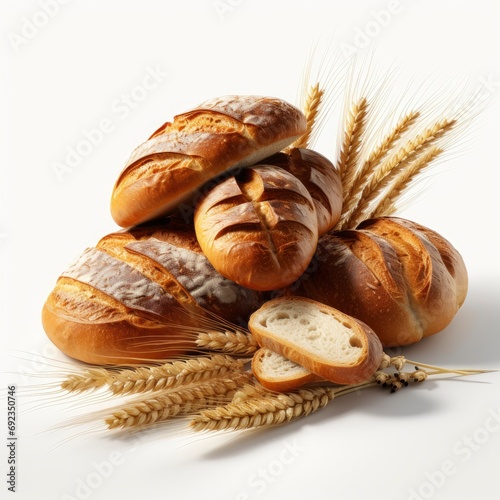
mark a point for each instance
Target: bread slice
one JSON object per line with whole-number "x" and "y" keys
{"x": 277, "y": 373}
{"x": 323, "y": 340}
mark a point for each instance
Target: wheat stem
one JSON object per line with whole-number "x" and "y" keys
{"x": 440, "y": 369}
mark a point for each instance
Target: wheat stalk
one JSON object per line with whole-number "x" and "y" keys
{"x": 169, "y": 403}
{"x": 254, "y": 406}
{"x": 357, "y": 181}
{"x": 153, "y": 378}
{"x": 237, "y": 342}
{"x": 174, "y": 374}
{"x": 311, "y": 108}
{"x": 386, "y": 145}
{"x": 351, "y": 145}
{"x": 386, "y": 205}
{"x": 264, "y": 409}
{"x": 389, "y": 169}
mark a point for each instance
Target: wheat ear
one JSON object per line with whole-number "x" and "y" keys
{"x": 169, "y": 403}
{"x": 174, "y": 374}
{"x": 311, "y": 108}
{"x": 351, "y": 144}
{"x": 263, "y": 409}
{"x": 237, "y": 342}
{"x": 152, "y": 378}
{"x": 89, "y": 379}
{"x": 387, "y": 204}
{"x": 376, "y": 156}
{"x": 388, "y": 170}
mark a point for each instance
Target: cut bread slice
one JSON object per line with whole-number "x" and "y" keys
{"x": 323, "y": 340}
{"x": 277, "y": 373}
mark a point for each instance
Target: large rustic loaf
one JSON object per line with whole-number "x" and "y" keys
{"x": 140, "y": 295}
{"x": 219, "y": 134}
{"x": 402, "y": 279}
{"x": 321, "y": 339}
{"x": 258, "y": 228}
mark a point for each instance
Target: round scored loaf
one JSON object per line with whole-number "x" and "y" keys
{"x": 258, "y": 228}
{"x": 219, "y": 134}
{"x": 139, "y": 295}
{"x": 402, "y": 279}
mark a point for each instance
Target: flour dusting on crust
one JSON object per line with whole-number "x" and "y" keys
{"x": 120, "y": 281}
{"x": 194, "y": 272}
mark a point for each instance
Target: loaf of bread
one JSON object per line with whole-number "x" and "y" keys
{"x": 258, "y": 228}
{"x": 402, "y": 279}
{"x": 222, "y": 133}
{"x": 140, "y": 295}
{"x": 277, "y": 373}
{"x": 321, "y": 339}
{"x": 321, "y": 179}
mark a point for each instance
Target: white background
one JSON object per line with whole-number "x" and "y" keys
{"x": 71, "y": 71}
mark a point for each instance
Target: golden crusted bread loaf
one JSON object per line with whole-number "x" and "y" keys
{"x": 402, "y": 279}
{"x": 219, "y": 134}
{"x": 138, "y": 295}
{"x": 258, "y": 228}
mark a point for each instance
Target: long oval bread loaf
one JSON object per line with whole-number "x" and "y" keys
{"x": 402, "y": 279}
{"x": 139, "y": 295}
{"x": 258, "y": 228}
{"x": 222, "y": 133}
{"x": 325, "y": 341}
